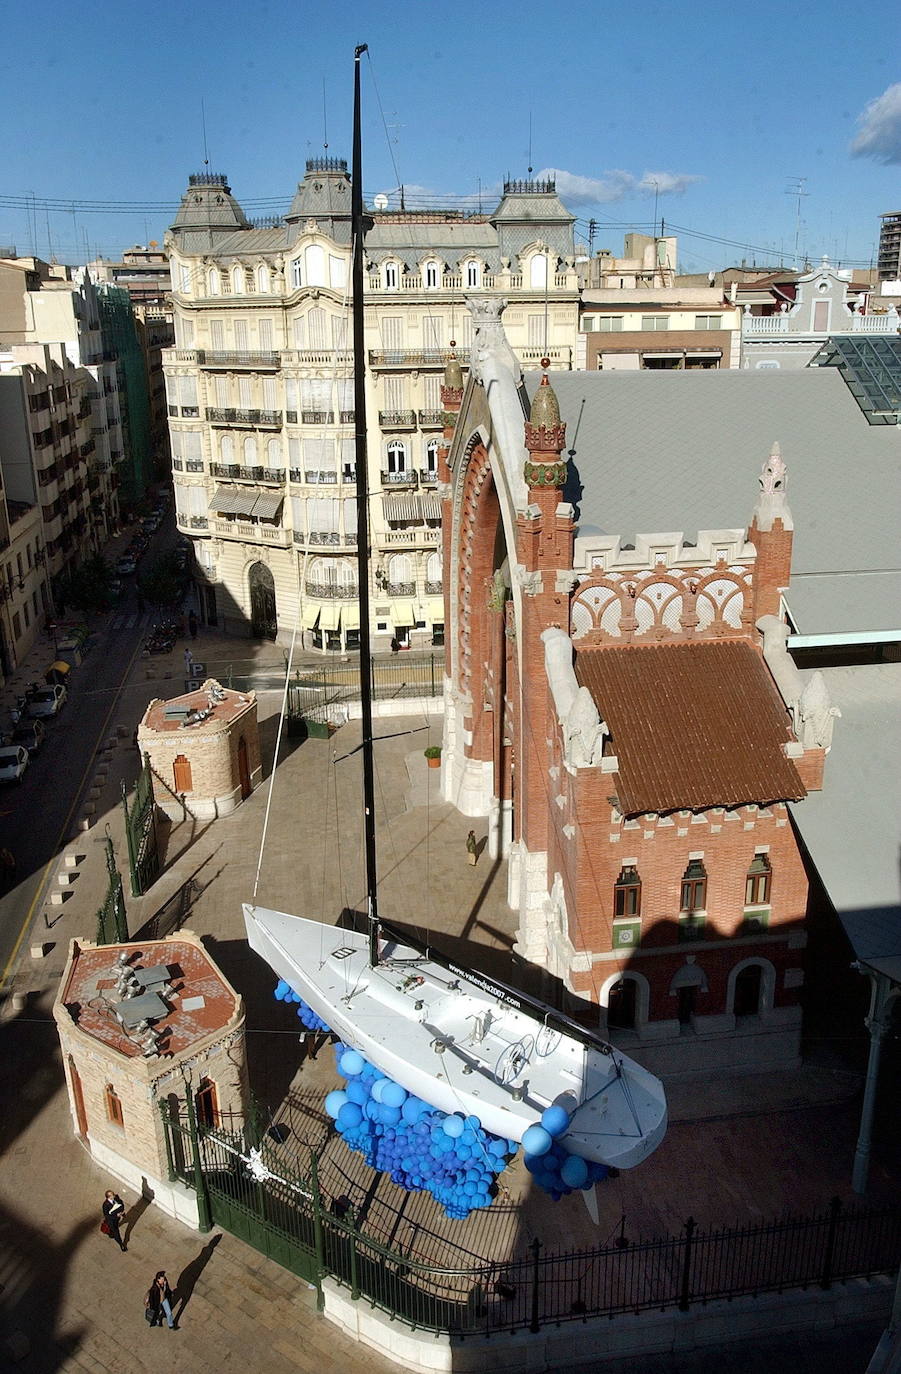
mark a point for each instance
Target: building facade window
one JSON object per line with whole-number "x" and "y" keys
{"x": 214, "y": 282}
{"x": 397, "y": 456}
{"x": 297, "y": 273}
{"x": 237, "y": 281}
{"x": 610, "y": 324}
{"x": 708, "y": 321}
{"x": 113, "y": 1104}
{"x": 758, "y": 881}
{"x": 627, "y": 892}
{"x": 431, "y": 456}
{"x": 654, "y": 323}
{"x": 390, "y": 276}
{"x": 431, "y": 274}
{"x": 400, "y": 569}
{"x": 694, "y": 888}
{"x": 472, "y": 274}
{"x": 263, "y": 279}
{"x": 538, "y": 272}
{"x": 207, "y": 1104}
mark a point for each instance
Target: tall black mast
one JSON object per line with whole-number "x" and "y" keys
{"x": 357, "y": 227}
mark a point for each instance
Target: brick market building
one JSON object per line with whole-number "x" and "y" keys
{"x": 626, "y": 714}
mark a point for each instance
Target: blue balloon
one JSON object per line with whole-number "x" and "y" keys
{"x": 412, "y": 1110}
{"x": 350, "y": 1115}
{"x": 393, "y": 1095}
{"x": 555, "y": 1120}
{"x": 574, "y": 1172}
{"x": 497, "y": 1147}
{"x": 378, "y": 1088}
{"x": 536, "y": 1140}
{"x": 453, "y": 1127}
{"x": 390, "y": 1115}
{"x": 351, "y": 1063}
{"x": 335, "y": 1101}
{"x": 356, "y": 1092}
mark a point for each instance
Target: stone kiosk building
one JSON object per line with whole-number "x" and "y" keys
{"x": 204, "y": 750}
{"x": 139, "y": 1023}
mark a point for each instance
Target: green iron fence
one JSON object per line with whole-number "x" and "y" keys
{"x": 112, "y": 925}
{"x": 246, "y": 1185}
{"x": 140, "y": 832}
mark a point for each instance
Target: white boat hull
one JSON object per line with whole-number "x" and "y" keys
{"x": 447, "y": 1037}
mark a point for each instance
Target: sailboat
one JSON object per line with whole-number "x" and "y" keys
{"x": 459, "y": 1041}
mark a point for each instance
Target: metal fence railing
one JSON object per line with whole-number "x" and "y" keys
{"x": 246, "y": 1185}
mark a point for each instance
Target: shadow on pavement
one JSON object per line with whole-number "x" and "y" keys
{"x": 187, "y": 1279}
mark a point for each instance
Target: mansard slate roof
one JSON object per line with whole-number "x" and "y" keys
{"x": 210, "y": 221}
{"x": 676, "y": 451}
{"x": 692, "y": 725}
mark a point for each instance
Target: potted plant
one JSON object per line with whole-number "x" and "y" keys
{"x": 433, "y": 755}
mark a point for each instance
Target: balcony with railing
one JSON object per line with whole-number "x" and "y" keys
{"x": 319, "y": 476}
{"x": 241, "y": 359}
{"x": 415, "y": 357}
{"x": 177, "y": 465}
{"x": 849, "y": 322}
{"x": 317, "y": 417}
{"x": 561, "y": 355}
{"x": 397, "y": 419}
{"x": 434, "y": 588}
{"x": 193, "y": 464}
{"x": 326, "y": 591}
{"x": 417, "y": 536}
{"x": 325, "y": 538}
{"x": 399, "y": 479}
{"x": 404, "y": 589}
{"x": 270, "y": 417}
{"x": 431, "y": 419}
{"x": 428, "y": 477}
{"x": 251, "y": 532}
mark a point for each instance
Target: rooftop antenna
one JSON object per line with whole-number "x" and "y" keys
{"x": 206, "y": 151}
{"x": 796, "y": 188}
{"x": 324, "y": 119}
{"x": 530, "y": 143}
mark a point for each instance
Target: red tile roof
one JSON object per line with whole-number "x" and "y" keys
{"x": 693, "y": 725}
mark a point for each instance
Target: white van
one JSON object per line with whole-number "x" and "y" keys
{"x": 13, "y": 762}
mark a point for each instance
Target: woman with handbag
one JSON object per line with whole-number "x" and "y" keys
{"x": 113, "y": 1213}
{"x": 159, "y": 1302}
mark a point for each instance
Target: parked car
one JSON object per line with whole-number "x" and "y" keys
{"x": 30, "y": 734}
{"x": 126, "y": 565}
{"x": 46, "y": 701}
{"x": 13, "y": 762}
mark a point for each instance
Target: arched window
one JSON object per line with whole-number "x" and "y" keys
{"x": 472, "y": 274}
{"x": 113, "y": 1106}
{"x": 250, "y": 451}
{"x": 227, "y": 448}
{"x": 757, "y": 883}
{"x": 263, "y": 278}
{"x": 694, "y": 888}
{"x": 274, "y": 453}
{"x": 397, "y": 456}
{"x": 214, "y": 282}
{"x": 400, "y": 568}
{"x": 431, "y": 456}
{"x": 345, "y": 574}
{"x": 538, "y": 272}
{"x": 627, "y": 892}
{"x": 431, "y": 273}
{"x": 314, "y": 259}
{"x": 317, "y": 323}
{"x": 238, "y": 281}
{"x": 296, "y": 273}
{"x": 391, "y": 275}
{"x": 433, "y": 568}
{"x": 206, "y": 1102}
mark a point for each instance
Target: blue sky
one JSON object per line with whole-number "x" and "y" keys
{"x": 717, "y": 108}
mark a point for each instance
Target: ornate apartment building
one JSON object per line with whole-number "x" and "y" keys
{"x": 260, "y": 391}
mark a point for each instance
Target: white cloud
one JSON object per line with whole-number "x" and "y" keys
{"x": 880, "y": 128}
{"x": 616, "y": 185}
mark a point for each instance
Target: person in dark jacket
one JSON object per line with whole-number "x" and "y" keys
{"x": 113, "y": 1214}
{"x": 159, "y": 1301}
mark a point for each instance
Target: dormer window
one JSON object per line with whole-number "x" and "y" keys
{"x": 431, "y": 273}
{"x": 296, "y": 273}
{"x": 263, "y": 282}
{"x": 238, "y": 281}
{"x": 390, "y": 276}
{"x": 538, "y": 272}
{"x": 472, "y": 274}
{"x": 214, "y": 282}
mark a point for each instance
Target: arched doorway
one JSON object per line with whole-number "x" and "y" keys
{"x": 263, "y": 617}
{"x": 621, "y": 1004}
{"x": 748, "y": 988}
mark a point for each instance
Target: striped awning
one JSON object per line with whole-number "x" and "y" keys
{"x": 330, "y": 618}
{"x": 350, "y": 616}
{"x": 430, "y": 505}
{"x": 402, "y": 505}
{"x": 267, "y": 504}
{"x": 402, "y": 613}
{"x": 310, "y": 614}
{"x": 224, "y": 500}
{"x": 245, "y": 500}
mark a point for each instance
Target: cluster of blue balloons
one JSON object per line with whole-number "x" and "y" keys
{"x": 553, "y": 1168}
{"x": 422, "y": 1148}
{"x": 285, "y": 993}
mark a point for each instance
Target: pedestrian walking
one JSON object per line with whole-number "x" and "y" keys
{"x": 472, "y": 847}
{"x": 189, "y": 663}
{"x": 158, "y": 1302}
{"x": 192, "y": 624}
{"x": 113, "y": 1214}
{"x": 7, "y": 869}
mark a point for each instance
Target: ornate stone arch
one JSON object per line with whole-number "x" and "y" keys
{"x": 767, "y": 982}
{"x": 642, "y": 998}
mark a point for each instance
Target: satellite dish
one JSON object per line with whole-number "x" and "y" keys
{"x": 381, "y": 201}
